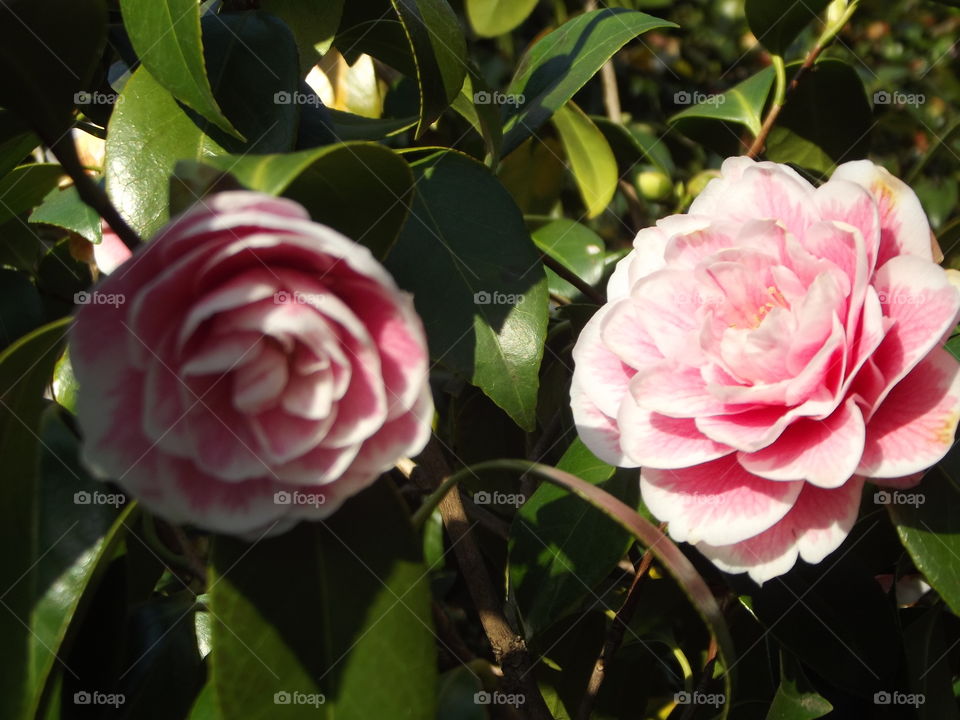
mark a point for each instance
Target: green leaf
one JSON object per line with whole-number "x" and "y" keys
{"x": 742, "y": 104}
{"x": 776, "y": 23}
{"x": 927, "y": 519}
{"x": 356, "y": 188}
{"x": 16, "y": 141}
{"x": 21, "y": 309}
{"x": 535, "y": 175}
{"x": 633, "y": 143}
{"x": 490, "y": 18}
{"x": 473, "y": 105}
{"x": 930, "y": 672}
{"x": 48, "y": 53}
{"x": 826, "y": 121}
{"x": 77, "y": 535}
{"x": 339, "y": 608}
{"x": 439, "y": 50}
{"x": 205, "y": 706}
{"x": 148, "y": 133}
{"x": 347, "y": 126}
{"x": 166, "y": 37}
{"x": 577, "y": 247}
{"x": 796, "y": 699}
{"x": 477, "y": 281}
{"x": 561, "y": 547}
{"x": 25, "y": 370}
{"x": 65, "y": 209}
{"x": 26, "y": 187}
{"x": 560, "y": 63}
{"x": 591, "y": 160}
{"x": 314, "y": 24}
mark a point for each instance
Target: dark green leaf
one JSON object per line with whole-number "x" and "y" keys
{"x": 48, "y": 51}
{"x": 826, "y": 121}
{"x": 323, "y": 610}
{"x": 65, "y": 209}
{"x": 20, "y": 307}
{"x": 796, "y": 699}
{"x": 16, "y": 141}
{"x": 561, "y": 547}
{"x": 927, "y": 519}
{"x": 930, "y": 672}
{"x": 490, "y": 18}
{"x": 359, "y": 188}
{"x": 777, "y": 22}
{"x": 25, "y": 188}
{"x": 166, "y": 37}
{"x": 560, "y": 63}
{"x": 742, "y": 104}
{"x": 591, "y": 160}
{"x": 347, "y": 126}
{"x": 475, "y": 104}
{"x": 577, "y": 247}
{"x": 313, "y": 22}
{"x": 477, "y": 281}
{"x": 25, "y": 370}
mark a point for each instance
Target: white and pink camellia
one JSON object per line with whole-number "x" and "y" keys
{"x": 248, "y": 368}
{"x": 764, "y": 354}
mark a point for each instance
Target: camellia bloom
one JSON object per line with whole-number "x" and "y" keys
{"x": 248, "y": 368}
{"x": 764, "y": 354}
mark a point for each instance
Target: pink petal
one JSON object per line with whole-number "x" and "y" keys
{"x": 847, "y": 202}
{"x": 658, "y": 441}
{"x": 818, "y": 523}
{"x": 904, "y": 229}
{"x": 914, "y": 427}
{"x": 599, "y": 372}
{"x": 823, "y": 452}
{"x": 717, "y": 502}
{"x": 598, "y": 431}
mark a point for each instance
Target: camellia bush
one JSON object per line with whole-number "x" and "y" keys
{"x": 465, "y": 359}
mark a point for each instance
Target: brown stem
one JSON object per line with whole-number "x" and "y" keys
{"x": 509, "y": 648}
{"x": 579, "y": 283}
{"x": 615, "y": 636}
{"x": 761, "y": 140}
{"x": 91, "y": 193}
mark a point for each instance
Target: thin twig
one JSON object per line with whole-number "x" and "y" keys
{"x": 509, "y": 648}
{"x": 615, "y": 636}
{"x": 579, "y": 283}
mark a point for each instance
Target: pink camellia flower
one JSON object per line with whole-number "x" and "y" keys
{"x": 248, "y": 368}
{"x": 764, "y": 354}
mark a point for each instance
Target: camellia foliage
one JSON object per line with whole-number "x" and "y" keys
{"x": 469, "y": 359}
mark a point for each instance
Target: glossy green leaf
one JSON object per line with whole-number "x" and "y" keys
{"x": 535, "y": 175}
{"x": 48, "y": 52}
{"x": 81, "y": 524}
{"x": 776, "y": 23}
{"x": 577, "y": 247}
{"x": 148, "y": 133}
{"x": 742, "y": 104}
{"x": 323, "y": 611}
{"x": 929, "y": 667}
{"x": 927, "y": 519}
{"x": 440, "y": 52}
{"x": 591, "y": 160}
{"x": 314, "y": 23}
{"x": 477, "y": 281}
{"x": 16, "y": 141}
{"x": 166, "y": 37}
{"x": 25, "y": 370}
{"x": 356, "y": 188}
{"x": 347, "y": 126}
{"x": 490, "y": 18}
{"x": 64, "y": 209}
{"x": 826, "y": 121}
{"x": 795, "y": 698}
{"x": 26, "y": 187}
{"x": 560, "y": 63}
{"x": 561, "y": 547}
{"x": 474, "y": 104}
